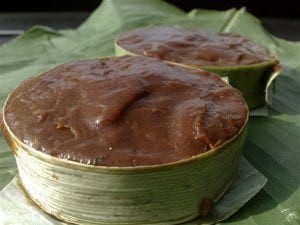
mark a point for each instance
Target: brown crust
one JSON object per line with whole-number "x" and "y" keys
{"x": 127, "y": 111}
{"x": 193, "y": 46}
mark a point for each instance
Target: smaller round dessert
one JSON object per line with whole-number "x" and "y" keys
{"x": 125, "y": 140}
{"x": 249, "y": 66}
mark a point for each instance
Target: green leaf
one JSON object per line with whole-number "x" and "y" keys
{"x": 248, "y": 183}
{"x": 273, "y": 142}
{"x": 17, "y": 206}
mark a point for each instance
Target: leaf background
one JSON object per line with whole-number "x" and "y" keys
{"x": 273, "y": 142}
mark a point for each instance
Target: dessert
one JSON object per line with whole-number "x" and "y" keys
{"x": 128, "y": 140}
{"x": 247, "y": 64}
{"x": 128, "y": 111}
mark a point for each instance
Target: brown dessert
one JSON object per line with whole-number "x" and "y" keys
{"x": 126, "y": 111}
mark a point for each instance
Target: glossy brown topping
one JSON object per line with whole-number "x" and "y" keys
{"x": 193, "y": 47}
{"x": 125, "y": 111}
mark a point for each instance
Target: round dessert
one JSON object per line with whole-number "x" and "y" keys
{"x": 125, "y": 140}
{"x": 247, "y": 64}
{"x": 129, "y": 111}
{"x": 193, "y": 47}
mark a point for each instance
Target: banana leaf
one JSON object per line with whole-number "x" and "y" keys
{"x": 273, "y": 141}
{"x": 248, "y": 183}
